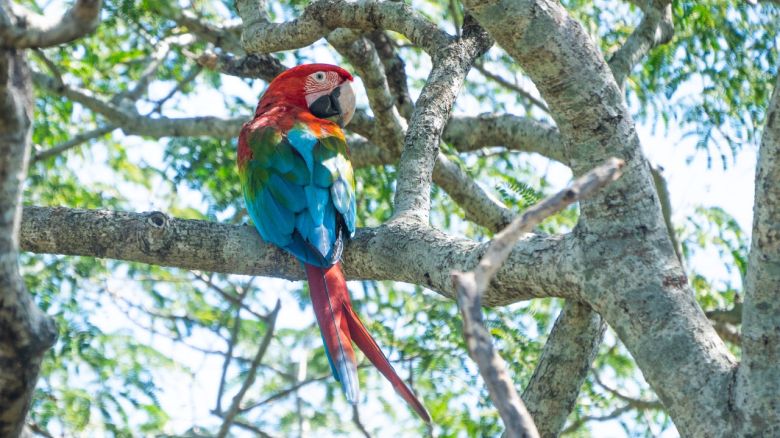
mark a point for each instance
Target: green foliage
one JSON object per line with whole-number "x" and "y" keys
{"x": 712, "y": 232}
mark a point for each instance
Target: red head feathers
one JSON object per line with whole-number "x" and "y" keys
{"x": 303, "y": 85}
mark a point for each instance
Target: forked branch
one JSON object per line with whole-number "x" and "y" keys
{"x": 471, "y": 285}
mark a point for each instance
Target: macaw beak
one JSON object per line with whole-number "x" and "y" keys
{"x": 340, "y": 103}
{"x": 346, "y": 102}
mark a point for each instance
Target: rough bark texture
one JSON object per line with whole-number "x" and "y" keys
{"x": 401, "y": 251}
{"x": 25, "y": 332}
{"x": 563, "y": 366}
{"x": 632, "y": 275}
{"x": 432, "y": 110}
{"x": 758, "y": 383}
{"x": 22, "y": 28}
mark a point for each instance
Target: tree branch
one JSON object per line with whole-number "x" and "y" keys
{"x": 471, "y": 286}
{"x": 388, "y": 124}
{"x": 656, "y": 28}
{"x": 517, "y": 420}
{"x": 635, "y": 403}
{"x": 480, "y": 206}
{"x": 25, "y": 331}
{"x": 469, "y": 133}
{"x": 758, "y": 377}
{"x": 513, "y": 87}
{"x": 421, "y": 146}
{"x": 22, "y": 28}
{"x": 563, "y": 366}
{"x": 395, "y": 70}
{"x": 131, "y": 122}
{"x": 633, "y": 277}
{"x": 255, "y": 65}
{"x": 73, "y": 142}
{"x": 323, "y": 16}
{"x": 540, "y": 266}
{"x": 227, "y": 38}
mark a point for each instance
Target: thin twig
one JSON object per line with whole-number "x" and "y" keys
{"x": 634, "y": 403}
{"x": 358, "y": 424}
{"x": 582, "y": 420}
{"x": 512, "y": 86}
{"x": 228, "y": 356}
{"x": 76, "y": 140}
{"x": 230, "y": 415}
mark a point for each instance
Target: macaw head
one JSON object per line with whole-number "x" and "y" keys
{"x": 324, "y": 89}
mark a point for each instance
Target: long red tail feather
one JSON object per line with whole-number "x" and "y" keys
{"x": 339, "y": 325}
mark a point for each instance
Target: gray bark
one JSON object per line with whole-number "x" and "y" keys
{"x": 432, "y": 110}
{"x": 563, "y": 367}
{"x": 25, "y": 332}
{"x": 402, "y": 251}
{"x": 758, "y": 378}
{"x": 632, "y": 275}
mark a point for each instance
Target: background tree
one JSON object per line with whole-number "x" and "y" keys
{"x": 142, "y": 113}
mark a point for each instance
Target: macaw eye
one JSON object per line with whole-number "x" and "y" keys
{"x": 319, "y": 76}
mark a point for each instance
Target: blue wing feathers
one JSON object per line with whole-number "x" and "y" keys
{"x": 316, "y": 200}
{"x": 300, "y": 199}
{"x": 285, "y": 193}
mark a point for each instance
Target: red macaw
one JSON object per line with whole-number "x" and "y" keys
{"x": 300, "y": 193}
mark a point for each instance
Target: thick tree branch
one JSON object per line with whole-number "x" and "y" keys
{"x": 758, "y": 383}
{"x": 539, "y": 266}
{"x": 633, "y": 276}
{"x": 469, "y": 133}
{"x": 22, "y": 28}
{"x": 563, "y": 366}
{"x": 25, "y": 332}
{"x": 421, "y": 146}
{"x": 323, "y": 16}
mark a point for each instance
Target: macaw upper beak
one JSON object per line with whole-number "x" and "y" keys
{"x": 340, "y": 103}
{"x": 346, "y": 102}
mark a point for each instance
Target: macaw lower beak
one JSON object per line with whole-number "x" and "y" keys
{"x": 340, "y": 103}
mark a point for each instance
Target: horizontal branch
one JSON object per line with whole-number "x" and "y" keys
{"x": 26, "y": 29}
{"x": 468, "y": 133}
{"x": 539, "y": 266}
{"x": 323, "y": 16}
